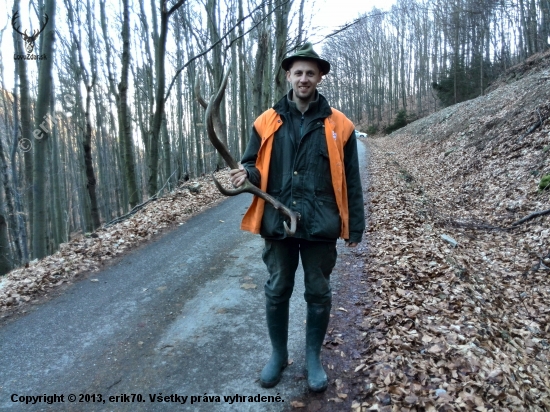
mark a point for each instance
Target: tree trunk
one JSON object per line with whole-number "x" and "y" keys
{"x": 212, "y": 10}
{"x": 120, "y": 93}
{"x": 6, "y": 255}
{"x": 7, "y": 215}
{"x": 182, "y": 138}
{"x": 242, "y": 85}
{"x": 5, "y": 252}
{"x": 167, "y": 153}
{"x": 125, "y": 126}
{"x": 525, "y": 38}
{"x": 57, "y": 192}
{"x": 544, "y": 31}
{"x": 90, "y": 175}
{"x": 26, "y": 119}
{"x": 160, "y": 54}
{"x": 41, "y": 134}
{"x": 281, "y": 42}
{"x": 259, "y": 74}
{"x": 21, "y": 228}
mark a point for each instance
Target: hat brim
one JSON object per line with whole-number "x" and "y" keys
{"x": 324, "y": 65}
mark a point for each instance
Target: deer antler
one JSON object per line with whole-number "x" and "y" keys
{"x": 15, "y": 17}
{"x": 213, "y": 122}
{"x": 37, "y": 32}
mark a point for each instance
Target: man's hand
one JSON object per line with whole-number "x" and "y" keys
{"x": 351, "y": 244}
{"x": 237, "y": 176}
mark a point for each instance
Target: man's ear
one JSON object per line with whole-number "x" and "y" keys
{"x": 288, "y": 76}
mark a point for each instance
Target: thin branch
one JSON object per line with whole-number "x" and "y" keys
{"x": 531, "y": 216}
{"x": 137, "y": 208}
{"x": 175, "y": 7}
{"x": 540, "y": 117}
{"x": 534, "y": 127}
{"x": 198, "y": 94}
{"x": 220, "y": 40}
{"x": 348, "y": 25}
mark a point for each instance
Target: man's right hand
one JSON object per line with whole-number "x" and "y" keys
{"x": 237, "y": 176}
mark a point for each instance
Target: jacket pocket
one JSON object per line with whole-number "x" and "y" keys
{"x": 326, "y": 220}
{"x": 272, "y": 221}
{"x": 323, "y": 178}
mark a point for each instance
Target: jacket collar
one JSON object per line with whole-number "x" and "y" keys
{"x": 323, "y": 108}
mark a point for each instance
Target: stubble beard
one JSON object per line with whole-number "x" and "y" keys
{"x": 305, "y": 97}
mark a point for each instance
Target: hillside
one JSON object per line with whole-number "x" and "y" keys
{"x": 85, "y": 254}
{"x": 460, "y": 310}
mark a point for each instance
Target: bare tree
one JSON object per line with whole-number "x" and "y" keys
{"x": 121, "y": 97}
{"x": 160, "y": 53}
{"x": 5, "y": 252}
{"x": 9, "y": 228}
{"x": 281, "y": 44}
{"x": 41, "y": 134}
{"x": 26, "y": 114}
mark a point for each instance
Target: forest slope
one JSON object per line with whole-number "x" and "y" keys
{"x": 465, "y": 327}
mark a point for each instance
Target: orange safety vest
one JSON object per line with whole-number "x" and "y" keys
{"x": 338, "y": 129}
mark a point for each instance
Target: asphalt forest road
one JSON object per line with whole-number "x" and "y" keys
{"x": 182, "y": 315}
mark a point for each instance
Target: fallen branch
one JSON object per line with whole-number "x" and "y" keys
{"x": 531, "y": 130}
{"x": 531, "y": 216}
{"x": 472, "y": 225}
{"x": 534, "y": 127}
{"x": 137, "y": 208}
{"x": 480, "y": 225}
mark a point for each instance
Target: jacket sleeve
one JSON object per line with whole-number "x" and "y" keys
{"x": 249, "y": 158}
{"x": 355, "y": 191}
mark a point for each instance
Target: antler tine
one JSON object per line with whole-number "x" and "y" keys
{"x": 200, "y": 99}
{"x": 43, "y": 27}
{"x": 15, "y": 17}
{"x": 212, "y": 115}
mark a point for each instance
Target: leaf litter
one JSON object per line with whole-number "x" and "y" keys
{"x": 90, "y": 252}
{"x": 466, "y": 327}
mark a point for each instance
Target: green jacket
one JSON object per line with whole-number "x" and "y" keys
{"x": 299, "y": 175}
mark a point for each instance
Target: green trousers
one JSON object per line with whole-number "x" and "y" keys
{"x": 282, "y": 257}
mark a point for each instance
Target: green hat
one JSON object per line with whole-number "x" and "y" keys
{"x": 306, "y": 52}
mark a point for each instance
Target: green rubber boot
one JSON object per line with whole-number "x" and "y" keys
{"x": 277, "y": 325}
{"x": 317, "y": 323}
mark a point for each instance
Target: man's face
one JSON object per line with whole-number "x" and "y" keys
{"x": 304, "y": 76}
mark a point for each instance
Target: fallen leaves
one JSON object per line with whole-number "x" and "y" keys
{"x": 297, "y": 404}
{"x": 87, "y": 253}
{"x": 460, "y": 318}
{"x": 360, "y": 367}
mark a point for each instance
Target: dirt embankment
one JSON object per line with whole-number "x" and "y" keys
{"x": 460, "y": 311}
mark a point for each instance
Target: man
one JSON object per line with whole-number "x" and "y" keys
{"x": 305, "y": 154}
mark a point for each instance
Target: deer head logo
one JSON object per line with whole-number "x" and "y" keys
{"x": 29, "y": 40}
